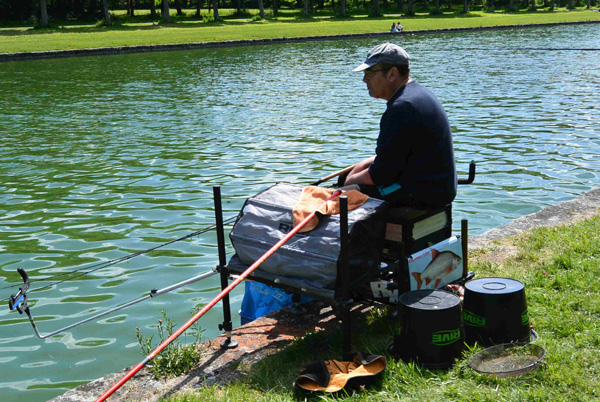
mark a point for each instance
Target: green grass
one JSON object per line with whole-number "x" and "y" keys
{"x": 559, "y": 267}
{"x": 142, "y": 30}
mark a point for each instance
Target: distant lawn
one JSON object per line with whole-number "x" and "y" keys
{"x": 143, "y": 30}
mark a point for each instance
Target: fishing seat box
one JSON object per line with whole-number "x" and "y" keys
{"x": 415, "y": 229}
{"x": 410, "y": 230}
{"x": 309, "y": 263}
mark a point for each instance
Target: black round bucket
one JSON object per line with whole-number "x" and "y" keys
{"x": 431, "y": 328}
{"x": 495, "y": 312}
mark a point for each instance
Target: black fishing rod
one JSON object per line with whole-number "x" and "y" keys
{"x": 19, "y": 301}
{"x": 106, "y": 264}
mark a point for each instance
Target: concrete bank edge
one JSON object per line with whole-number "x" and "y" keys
{"x": 53, "y": 54}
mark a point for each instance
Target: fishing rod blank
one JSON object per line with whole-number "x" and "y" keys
{"x": 214, "y": 301}
{"x": 19, "y": 301}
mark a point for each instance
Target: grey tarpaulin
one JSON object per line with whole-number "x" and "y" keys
{"x": 308, "y": 261}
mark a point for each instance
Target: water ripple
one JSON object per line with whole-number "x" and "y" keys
{"x": 102, "y": 157}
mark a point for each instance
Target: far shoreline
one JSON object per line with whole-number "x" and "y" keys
{"x": 104, "y": 51}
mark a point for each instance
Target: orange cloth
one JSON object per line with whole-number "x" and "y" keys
{"x": 313, "y": 196}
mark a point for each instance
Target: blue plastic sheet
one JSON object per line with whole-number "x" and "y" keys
{"x": 260, "y": 299}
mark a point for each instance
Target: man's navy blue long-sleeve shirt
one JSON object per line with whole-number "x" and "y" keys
{"x": 415, "y": 150}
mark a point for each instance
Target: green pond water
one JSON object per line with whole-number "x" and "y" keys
{"x": 101, "y": 157}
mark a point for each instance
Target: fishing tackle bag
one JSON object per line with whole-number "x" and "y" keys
{"x": 309, "y": 261}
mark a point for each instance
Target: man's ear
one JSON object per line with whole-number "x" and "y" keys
{"x": 393, "y": 73}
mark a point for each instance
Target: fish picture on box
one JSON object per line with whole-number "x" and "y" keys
{"x": 436, "y": 266}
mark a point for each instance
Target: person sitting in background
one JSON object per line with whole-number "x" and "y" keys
{"x": 393, "y": 29}
{"x": 399, "y": 27}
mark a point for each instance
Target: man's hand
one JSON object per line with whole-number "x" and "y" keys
{"x": 360, "y": 173}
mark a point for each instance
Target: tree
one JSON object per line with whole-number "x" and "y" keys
{"x": 216, "y": 9}
{"x": 166, "y": 12}
{"x": 511, "y": 5}
{"x": 305, "y": 13}
{"x": 131, "y": 7}
{"x": 411, "y": 9}
{"x": 198, "y": 6}
{"x": 261, "y": 9}
{"x": 437, "y": 7}
{"x": 44, "y": 13}
{"x": 343, "y": 8}
{"x": 533, "y": 7}
{"x": 178, "y": 7}
{"x": 376, "y": 9}
{"x": 152, "y": 8}
{"x": 466, "y": 7}
{"x": 105, "y": 12}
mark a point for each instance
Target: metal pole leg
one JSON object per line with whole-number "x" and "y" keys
{"x": 226, "y": 326}
{"x": 345, "y": 268}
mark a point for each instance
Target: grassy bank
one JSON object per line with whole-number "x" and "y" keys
{"x": 143, "y": 30}
{"x": 559, "y": 267}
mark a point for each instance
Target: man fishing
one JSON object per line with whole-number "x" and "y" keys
{"x": 413, "y": 163}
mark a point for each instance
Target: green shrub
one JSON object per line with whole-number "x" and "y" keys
{"x": 175, "y": 359}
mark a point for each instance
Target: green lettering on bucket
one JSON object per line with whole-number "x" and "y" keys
{"x": 473, "y": 320}
{"x": 442, "y": 338}
{"x": 525, "y": 318}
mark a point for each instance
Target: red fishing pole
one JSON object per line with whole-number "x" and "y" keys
{"x": 214, "y": 301}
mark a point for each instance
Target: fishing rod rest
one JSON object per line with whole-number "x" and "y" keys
{"x": 227, "y": 325}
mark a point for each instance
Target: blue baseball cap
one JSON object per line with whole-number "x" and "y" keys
{"x": 385, "y": 53}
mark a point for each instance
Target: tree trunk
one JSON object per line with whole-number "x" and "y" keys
{"x": 343, "y": 8}
{"x": 466, "y": 7}
{"x": 411, "y": 10}
{"x": 275, "y": 7}
{"x": 105, "y": 12}
{"x": 533, "y": 8}
{"x": 261, "y": 9}
{"x": 43, "y": 14}
{"x": 152, "y": 8}
{"x": 238, "y": 5}
{"x": 376, "y": 10}
{"x": 178, "y": 7}
{"x": 198, "y": 6}
{"x": 450, "y": 4}
{"x": 437, "y": 7}
{"x": 216, "y": 7}
{"x": 166, "y": 12}
{"x": 131, "y": 7}
{"x": 305, "y": 9}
